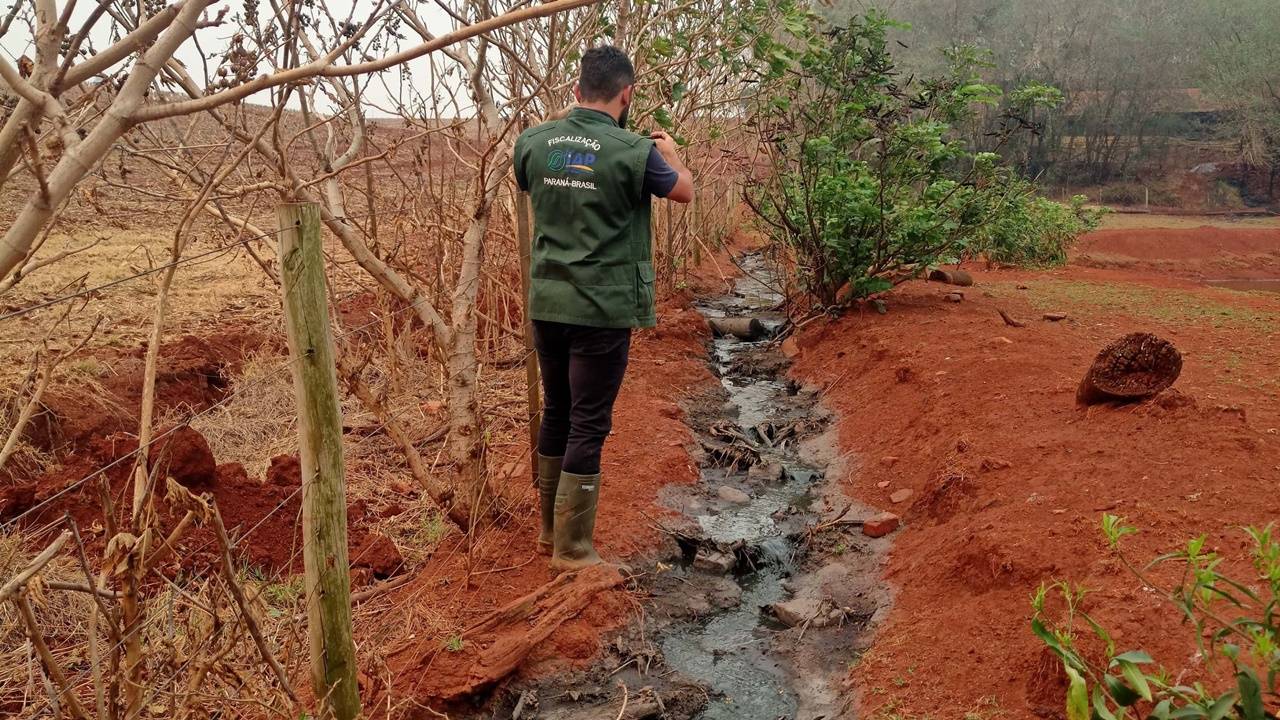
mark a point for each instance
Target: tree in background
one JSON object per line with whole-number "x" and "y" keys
{"x": 1240, "y": 58}
{"x": 869, "y": 183}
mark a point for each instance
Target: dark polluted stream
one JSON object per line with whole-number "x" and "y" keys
{"x": 727, "y": 650}
{"x": 752, "y": 615}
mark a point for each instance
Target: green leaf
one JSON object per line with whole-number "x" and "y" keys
{"x": 1223, "y": 706}
{"x": 678, "y": 91}
{"x": 1137, "y": 657}
{"x": 1120, "y": 692}
{"x": 1100, "y": 709}
{"x": 1250, "y": 694}
{"x": 1136, "y": 679}
{"x": 1077, "y": 696}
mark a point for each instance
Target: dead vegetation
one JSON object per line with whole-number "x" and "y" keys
{"x": 139, "y": 288}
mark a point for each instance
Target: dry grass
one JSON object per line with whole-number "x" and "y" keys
{"x": 1138, "y": 221}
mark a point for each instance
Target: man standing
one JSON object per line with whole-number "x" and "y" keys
{"x": 591, "y": 183}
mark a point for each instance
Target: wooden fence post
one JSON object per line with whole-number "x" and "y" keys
{"x": 324, "y": 505}
{"x": 524, "y": 238}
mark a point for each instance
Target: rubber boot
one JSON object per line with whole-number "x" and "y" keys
{"x": 548, "y": 482}
{"x": 575, "y": 521}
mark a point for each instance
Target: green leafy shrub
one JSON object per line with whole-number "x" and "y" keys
{"x": 869, "y": 184}
{"x": 1234, "y": 622}
{"x": 1032, "y": 231}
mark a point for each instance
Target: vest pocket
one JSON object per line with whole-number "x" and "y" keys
{"x": 644, "y": 285}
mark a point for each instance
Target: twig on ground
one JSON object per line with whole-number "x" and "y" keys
{"x": 228, "y": 567}
{"x": 1010, "y": 321}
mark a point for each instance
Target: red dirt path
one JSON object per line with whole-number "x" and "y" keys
{"x": 1010, "y": 477}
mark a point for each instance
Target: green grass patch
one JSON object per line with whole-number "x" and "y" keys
{"x": 1175, "y": 307}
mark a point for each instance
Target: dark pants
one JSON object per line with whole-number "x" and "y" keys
{"x": 582, "y": 369}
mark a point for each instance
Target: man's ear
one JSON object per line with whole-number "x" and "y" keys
{"x": 627, "y": 92}
{"x": 577, "y": 92}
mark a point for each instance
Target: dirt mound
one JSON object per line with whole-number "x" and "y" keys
{"x": 193, "y": 373}
{"x": 1197, "y": 252}
{"x": 1011, "y": 478}
{"x": 185, "y": 456}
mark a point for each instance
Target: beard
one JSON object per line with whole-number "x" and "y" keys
{"x": 622, "y": 118}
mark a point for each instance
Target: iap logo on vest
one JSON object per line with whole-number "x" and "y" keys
{"x": 574, "y": 163}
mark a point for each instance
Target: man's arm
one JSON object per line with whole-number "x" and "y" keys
{"x": 682, "y": 191}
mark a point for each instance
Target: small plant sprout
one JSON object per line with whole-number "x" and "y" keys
{"x": 1235, "y": 622}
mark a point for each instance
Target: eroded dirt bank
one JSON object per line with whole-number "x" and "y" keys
{"x": 1007, "y": 478}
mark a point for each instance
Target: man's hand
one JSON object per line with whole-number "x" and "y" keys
{"x": 683, "y": 190}
{"x": 666, "y": 145}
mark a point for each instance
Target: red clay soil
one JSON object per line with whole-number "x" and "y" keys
{"x": 646, "y": 451}
{"x": 1009, "y": 477}
{"x": 193, "y": 373}
{"x": 1203, "y": 252}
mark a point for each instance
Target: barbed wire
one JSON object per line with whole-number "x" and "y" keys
{"x": 9, "y": 524}
{"x": 220, "y": 250}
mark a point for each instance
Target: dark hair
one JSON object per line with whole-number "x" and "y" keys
{"x": 606, "y": 70}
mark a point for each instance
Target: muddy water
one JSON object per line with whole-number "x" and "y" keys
{"x": 729, "y": 651}
{"x": 710, "y": 644}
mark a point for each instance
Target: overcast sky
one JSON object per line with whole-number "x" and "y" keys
{"x": 215, "y": 41}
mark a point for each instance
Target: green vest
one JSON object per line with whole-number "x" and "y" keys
{"x": 592, "y": 260}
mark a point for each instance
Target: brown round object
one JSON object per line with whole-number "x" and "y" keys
{"x": 1134, "y": 367}
{"x": 951, "y": 277}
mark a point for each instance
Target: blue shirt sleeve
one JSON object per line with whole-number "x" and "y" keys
{"x": 659, "y": 176}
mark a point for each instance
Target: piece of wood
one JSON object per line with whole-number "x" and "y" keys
{"x": 327, "y": 582}
{"x": 65, "y": 692}
{"x": 1010, "y": 321}
{"x": 242, "y": 602}
{"x": 533, "y": 380}
{"x": 743, "y": 328}
{"x": 1134, "y": 367}
{"x": 37, "y": 564}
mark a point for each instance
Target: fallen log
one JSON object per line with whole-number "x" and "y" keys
{"x": 951, "y": 277}
{"x": 1135, "y": 367}
{"x": 743, "y": 328}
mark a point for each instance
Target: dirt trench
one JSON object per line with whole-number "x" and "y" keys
{"x": 767, "y": 592}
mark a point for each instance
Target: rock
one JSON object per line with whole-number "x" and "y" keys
{"x": 883, "y": 484}
{"x": 988, "y": 464}
{"x": 765, "y": 472}
{"x": 889, "y": 460}
{"x": 733, "y": 495}
{"x": 724, "y": 594}
{"x": 880, "y": 306}
{"x": 900, "y": 496}
{"x": 953, "y": 297}
{"x": 1000, "y": 339}
{"x": 790, "y": 348}
{"x": 713, "y": 560}
{"x": 188, "y": 458}
{"x": 1055, "y": 316}
{"x": 881, "y": 524}
{"x": 803, "y": 609}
